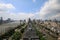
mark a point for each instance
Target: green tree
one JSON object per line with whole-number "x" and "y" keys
{"x": 16, "y": 36}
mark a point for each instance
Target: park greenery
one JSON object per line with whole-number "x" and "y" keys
{"x": 18, "y": 34}
{"x": 39, "y": 33}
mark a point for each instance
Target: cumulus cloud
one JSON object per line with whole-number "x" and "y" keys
{"x": 8, "y": 6}
{"x": 5, "y": 9}
{"x": 51, "y": 8}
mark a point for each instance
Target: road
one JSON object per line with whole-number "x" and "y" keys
{"x": 5, "y": 27}
{"x": 30, "y": 33}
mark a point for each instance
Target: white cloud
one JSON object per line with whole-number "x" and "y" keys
{"x": 8, "y": 6}
{"x": 50, "y": 8}
{"x": 5, "y": 10}
{"x": 55, "y": 16}
{"x": 24, "y": 15}
{"x": 16, "y": 16}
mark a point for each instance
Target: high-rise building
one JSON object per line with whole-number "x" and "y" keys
{"x": 1, "y": 20}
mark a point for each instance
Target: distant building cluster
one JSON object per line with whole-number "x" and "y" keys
{"x": 4, "y": 21}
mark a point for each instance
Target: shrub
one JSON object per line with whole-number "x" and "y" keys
{"x": 16, "y": 36}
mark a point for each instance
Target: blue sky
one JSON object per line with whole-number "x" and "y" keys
{"x": 26, "y": 6}
{"x": 34, "y": 9}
